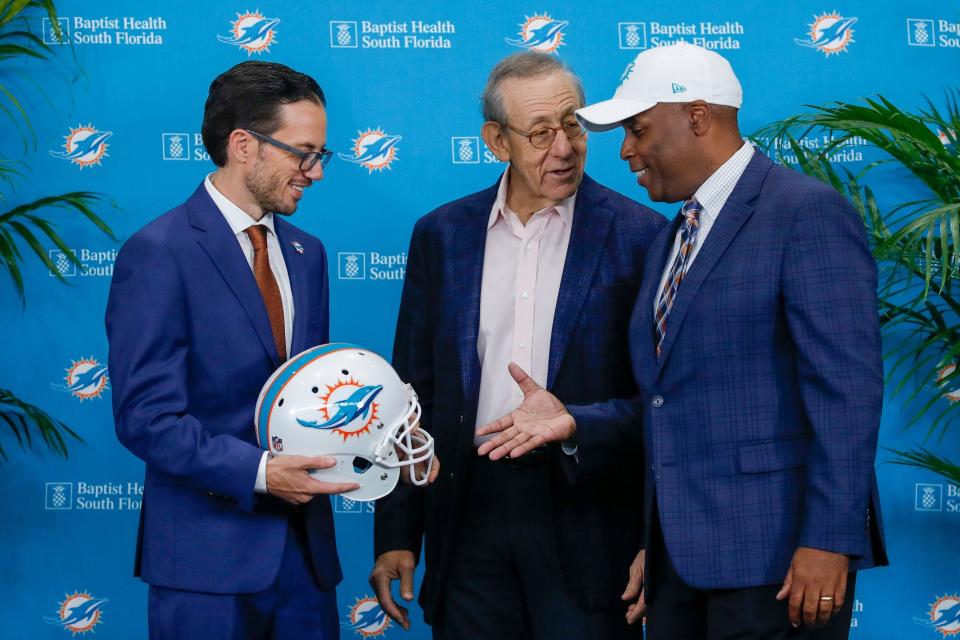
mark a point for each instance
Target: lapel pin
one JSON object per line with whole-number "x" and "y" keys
{"x": 297, "y": 246}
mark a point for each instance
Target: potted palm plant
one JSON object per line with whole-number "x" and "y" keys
{"x": 915, "y": 243}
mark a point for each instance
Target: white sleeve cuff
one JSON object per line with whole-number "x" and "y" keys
{"x": 261, "y": 484}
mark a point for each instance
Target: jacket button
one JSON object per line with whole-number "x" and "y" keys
{"x": 656, "y": 402}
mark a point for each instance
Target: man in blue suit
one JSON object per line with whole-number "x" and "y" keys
{"x": 206, "y": 302}
{"x": 755, "y": 344}
{"x": 542, "y": 267}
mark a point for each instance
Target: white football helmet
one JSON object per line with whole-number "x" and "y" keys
{"x": 346, "y": 402}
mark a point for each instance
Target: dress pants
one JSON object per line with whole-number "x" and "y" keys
{"x": 505, "y": 581}
{"x": 677, "y": 611}
{"x": 293, "y": 607}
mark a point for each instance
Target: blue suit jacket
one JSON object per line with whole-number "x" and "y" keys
{"x": 190, "y": 348}
{"x": 598, "y": 525}
{"x": 761, "y": 414}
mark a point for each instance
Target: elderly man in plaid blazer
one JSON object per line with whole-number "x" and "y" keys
{"x": 755, "y": 344}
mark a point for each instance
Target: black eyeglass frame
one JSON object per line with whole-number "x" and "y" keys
{"x": 553, "y": 130}
{"x": 308, "y": 159}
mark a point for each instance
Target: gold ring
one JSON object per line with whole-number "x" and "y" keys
{"x": 827, "y": 598}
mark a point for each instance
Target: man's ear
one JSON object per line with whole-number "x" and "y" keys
{"x": 494, "y": 135}
{"x": 240, "y": 146}
{"x": 700, "y": 117}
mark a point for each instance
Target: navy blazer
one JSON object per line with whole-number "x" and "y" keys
{"x": 761, "y": 414}
{"x": 190, "y": 348}
{"x": 598, "y": 524}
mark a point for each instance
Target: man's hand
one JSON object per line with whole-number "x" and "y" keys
{"x": 288, "y": 478}
{"x": 635, "y": 588}
{"x": 814, "y": 575}
{"x": 419, "y": 469}
{"x": 539, "y": 419}
{"x": 390, "y": 566}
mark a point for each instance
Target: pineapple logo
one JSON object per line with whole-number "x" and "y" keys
{"x": 633, "y": 35}
{"x": 343, "y": 34}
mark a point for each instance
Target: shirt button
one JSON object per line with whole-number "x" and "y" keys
{"x": 656, "y": 402}
{"x": 524, "y": 295}
{"x": 523, "y": 345}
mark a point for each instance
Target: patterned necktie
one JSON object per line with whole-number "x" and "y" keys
{"x": 688, "y": 239}
{"x": 268, "y": 286}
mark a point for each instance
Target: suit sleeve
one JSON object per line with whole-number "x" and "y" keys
{"x": 147, "y": 326}
{"x": 829, "y": 295}
{"x": 399, "y": 516}
{"x": 608, "y": 433}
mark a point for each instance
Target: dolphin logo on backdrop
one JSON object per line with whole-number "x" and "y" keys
{"x": 84, "y": 146}
{"x": 373, "y": 149}
{"x": 79, "y": 612}
{"x": 366, "y": 618}
{"x": 345, "y": 403}
{"x": 86, "y": 379}
{"x": 540, "y": 33}
{"x": 252, "y": 32}
{"x": 830, "y": 33}
{"x": 944, "y": 616}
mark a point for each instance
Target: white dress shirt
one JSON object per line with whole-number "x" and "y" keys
{"x": 711, "y": 195}
{"x": 522, "y": 268}
{"x": 239, "y": 220}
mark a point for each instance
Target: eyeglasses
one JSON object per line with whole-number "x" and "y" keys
{"x": 543, "y": 137}
{"x": 308, "y": 159}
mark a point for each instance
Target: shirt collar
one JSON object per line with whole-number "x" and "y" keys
{"x": 713, "y": 193}
{"x": 500, "y": 209}
{"x": 236, "y": 217}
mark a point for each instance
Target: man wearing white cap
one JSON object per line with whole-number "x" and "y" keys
{"x": 755, "y": 344}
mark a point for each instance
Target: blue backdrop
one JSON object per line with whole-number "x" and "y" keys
{"x": 140, "y": 71}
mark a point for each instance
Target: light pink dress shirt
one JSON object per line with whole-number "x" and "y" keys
{"x": 522, "y": 267}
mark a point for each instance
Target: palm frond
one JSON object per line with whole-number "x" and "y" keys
{"x": 21, "y": 225}
{"x": 23, "y": 418}
{"x": 925, "y": 459}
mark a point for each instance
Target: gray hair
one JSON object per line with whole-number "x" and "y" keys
{"x": 526, "y": 64}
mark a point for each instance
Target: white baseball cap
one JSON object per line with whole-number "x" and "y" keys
{"x": 679, "y": 72}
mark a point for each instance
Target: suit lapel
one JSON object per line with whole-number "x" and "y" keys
{"x": 470, "y": 244}
{"x": 297, "y": 272}
{"x": 641, "y": 323}
{"x": 737, "y": 210}
{"x": 591, "y": 225}
{"x": 219, "y": 243}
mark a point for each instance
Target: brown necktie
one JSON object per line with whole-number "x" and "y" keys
{"x": 268, "y": 286}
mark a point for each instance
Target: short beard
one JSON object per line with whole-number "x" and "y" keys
{"x": 265, "y": 189}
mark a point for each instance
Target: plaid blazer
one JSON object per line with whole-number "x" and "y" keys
{"x": 761, "y": 414}
{"x": 598, "y": 522}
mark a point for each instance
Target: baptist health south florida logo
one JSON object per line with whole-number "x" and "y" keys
{"x": 79, "y": 613}
{"x": 366, "y": 619}
{"x": 396, "y": 34}
{"x": 84, "y": 146}
{"x": 121, "y": 31}
{"x": 373, "y": 149}
{"x": 706, "y": 34}
{"x": 342, "y": 504}
{"x": 93, "y": 263}
{"x": 470, "y": 150}
{"x": 86, "y": 379}
{"x": 540, "y": 32}
{"x": 352, "y": 265}
{"x": 944, "y": 616}
{"x": 830, "y": 33}
{"x": 253, "y": 32}
{"x": 927, "y": 32}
